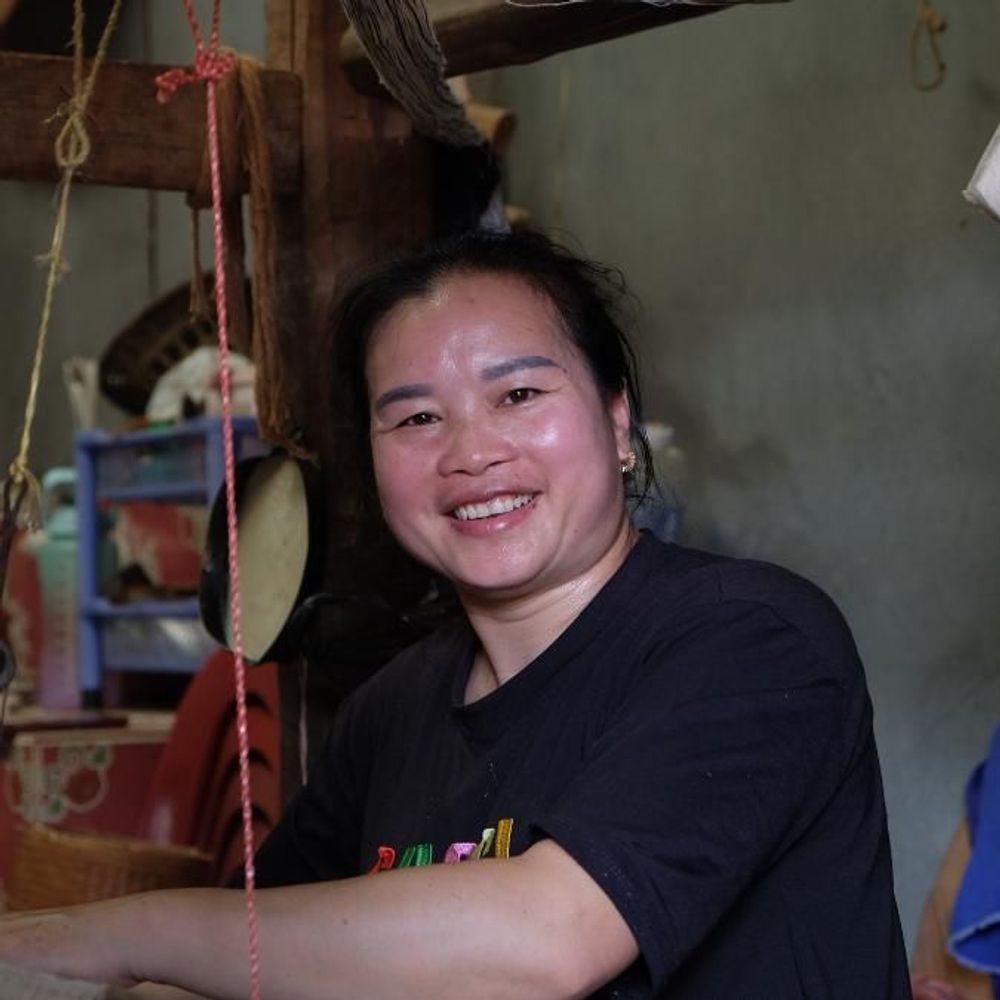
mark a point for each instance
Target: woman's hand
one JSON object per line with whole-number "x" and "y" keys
{"x": 73, "y": 942}
{"x": 155, "y": 991}
{"x": 927, "y": 988}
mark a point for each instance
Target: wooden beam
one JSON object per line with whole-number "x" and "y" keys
{"x": 136, "y": 142}
{"x": 477, "y": 35}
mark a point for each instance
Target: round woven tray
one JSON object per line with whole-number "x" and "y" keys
{"x": 158, "y": 338}
{"x": 60, "y": 867}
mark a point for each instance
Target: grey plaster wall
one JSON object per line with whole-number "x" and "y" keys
{"x": 821, "y": 324}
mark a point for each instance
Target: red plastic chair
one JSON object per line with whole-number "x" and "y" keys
{"x": 194, "y": 796}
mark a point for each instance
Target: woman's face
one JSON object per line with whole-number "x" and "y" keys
{"x": 496, "y": 459}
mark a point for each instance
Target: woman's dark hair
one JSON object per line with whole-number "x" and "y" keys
{"x": 586, "y": 296}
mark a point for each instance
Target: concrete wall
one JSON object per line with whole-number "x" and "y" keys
{"x": 822, "y": 325}
{"x": 821, "y": 320}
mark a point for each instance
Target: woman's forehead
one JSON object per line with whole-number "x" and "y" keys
{"x": 471, "y": 313}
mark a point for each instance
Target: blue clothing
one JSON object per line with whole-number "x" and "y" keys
{"x": 975, "y": 923}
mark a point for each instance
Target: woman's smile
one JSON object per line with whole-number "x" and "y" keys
{"x": 500, "y": 515}
{"x": 503, "y": 504}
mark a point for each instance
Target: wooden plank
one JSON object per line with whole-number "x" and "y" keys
{"x": 478, "y": 35}
{"x": 136, "y": 142}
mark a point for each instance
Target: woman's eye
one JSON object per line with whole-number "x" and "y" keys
{"x": 521, "y": 395}
{"x": 418, "y": 420}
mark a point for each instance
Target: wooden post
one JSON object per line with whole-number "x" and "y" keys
{"x": 365, "y": 193}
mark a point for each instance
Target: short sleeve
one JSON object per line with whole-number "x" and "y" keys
{"x": 720, "y": 756}
{"x": 317, "y": 838}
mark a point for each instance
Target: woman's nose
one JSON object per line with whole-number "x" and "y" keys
{"x": 472, "y": 447}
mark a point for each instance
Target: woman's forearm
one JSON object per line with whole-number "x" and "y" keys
{"x": 522, "y": 928}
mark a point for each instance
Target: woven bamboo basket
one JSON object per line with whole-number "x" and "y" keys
{"x": 60, "y": 867}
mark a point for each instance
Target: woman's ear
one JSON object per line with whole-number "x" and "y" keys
{"x": 621, "y": 422}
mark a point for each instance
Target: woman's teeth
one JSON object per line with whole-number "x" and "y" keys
{"x": 498, "y": 505}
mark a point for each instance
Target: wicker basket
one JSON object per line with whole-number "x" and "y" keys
{"x": 59, "y": 867}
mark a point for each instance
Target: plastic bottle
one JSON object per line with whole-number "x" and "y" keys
{"x": 58, "y": 684}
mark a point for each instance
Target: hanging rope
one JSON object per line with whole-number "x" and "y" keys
{"x": 198, "y": 304}
{"x": 399, "y": 39}
{"x": 20, "y": 504}
{"x": 22, "y": 498}
{"x": 210, "y": 66}
{"x": 152, "y": 197}
{"x": 274, "y": 385}
{"x": 931, "y": 24}
{"x": 245, "y": 149}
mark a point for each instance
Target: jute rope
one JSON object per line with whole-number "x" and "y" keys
{"x": 244, "y": 148}
{"x": 273, "y": 384}
{"x": 400, "y": 42}
{"x": 21, "y": 495}
{"x": 22, "y": 501}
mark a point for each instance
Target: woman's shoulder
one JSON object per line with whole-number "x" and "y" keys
{"x": 727, "y": 603}
{"x": 697, "y": 578}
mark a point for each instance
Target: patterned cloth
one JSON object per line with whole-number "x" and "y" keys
{"x": 23, "y": 984}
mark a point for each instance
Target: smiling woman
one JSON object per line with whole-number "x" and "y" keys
{"x": 503, "y": 472}
{"x": 646, "y": 771}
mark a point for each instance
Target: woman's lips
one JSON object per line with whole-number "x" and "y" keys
{"x": 507, "y": 514}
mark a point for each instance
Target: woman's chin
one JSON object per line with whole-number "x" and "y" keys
{"x": 495, "y": 583}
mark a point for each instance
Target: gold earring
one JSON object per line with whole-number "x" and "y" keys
{"x": 629, "y": 464}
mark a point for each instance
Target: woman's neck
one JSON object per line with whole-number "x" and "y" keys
{"x": 512, "y": 632}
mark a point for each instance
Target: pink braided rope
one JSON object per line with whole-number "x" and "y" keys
{"x": 210, "y": 66}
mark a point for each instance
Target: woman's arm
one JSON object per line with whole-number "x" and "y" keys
{"x": 531, "y": 926}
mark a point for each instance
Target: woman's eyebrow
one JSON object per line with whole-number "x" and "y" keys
{"x": 416, "y": 390}
{"x": 492, "y": 372}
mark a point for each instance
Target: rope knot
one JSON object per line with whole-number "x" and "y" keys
{"x": 22, "y": 497}
{"x": 934, "y": 21}
{"x": 73, "y": 143}
{"x": 209, "y": 65}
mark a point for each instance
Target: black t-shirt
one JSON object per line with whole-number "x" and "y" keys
{"x": 699, "y": 740}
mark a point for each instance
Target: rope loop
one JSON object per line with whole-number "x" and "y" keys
{"x": 72, "y": 145}
{"x": 931, "y": 24}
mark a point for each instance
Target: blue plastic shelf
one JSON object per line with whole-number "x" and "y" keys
{"x": 182, "y": 492}
{"x": 98, "y": 607}
{"x": 200, "y": 427}
{"x": 153, "y": 665}
{"x": 179, "y": 464}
